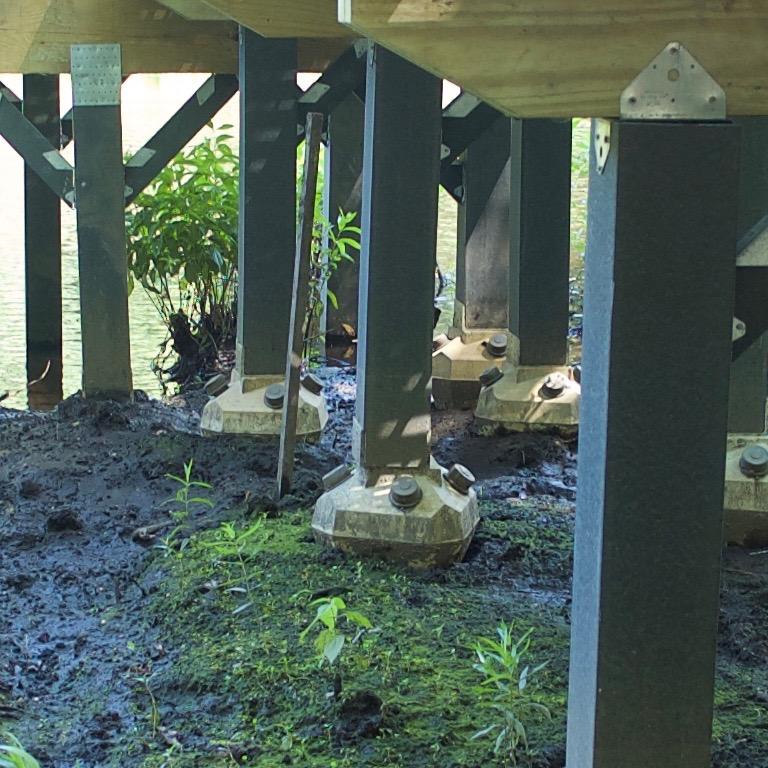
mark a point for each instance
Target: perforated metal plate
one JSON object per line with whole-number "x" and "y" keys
{"x": 96, "y": 75}
{"x": 674, "y": 86}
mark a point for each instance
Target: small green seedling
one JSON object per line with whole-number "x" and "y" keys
{"x": 505, "y": 685}
{"x": 330, "y": 641}
{"x": 183, "y": 500}
{"x": 13, "y": 755}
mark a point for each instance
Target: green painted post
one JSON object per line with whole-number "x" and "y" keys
{"x": 100, "y": 203}
{"x": 42, "y": 248}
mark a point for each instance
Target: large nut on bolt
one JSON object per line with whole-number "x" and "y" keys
{"x": 274, "y": 396}
{"x": 490, "y": 376}
{"x": 460, "y": 479}
{"x": 405, "y": 492}
{"x": 497, "y": 345}
{"x": 312, "y": 384}
{"x": 553, "y": 387}
{"x": 754, "y": 461}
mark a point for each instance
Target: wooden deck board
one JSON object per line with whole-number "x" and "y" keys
{"x": 559, "y": 58}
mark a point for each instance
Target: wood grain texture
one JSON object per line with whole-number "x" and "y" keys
{"x": 194, "y": 10}
{"x": 36, "y": 35}
{"x": 284, "y": 18}
{"x": 558, "y": 58}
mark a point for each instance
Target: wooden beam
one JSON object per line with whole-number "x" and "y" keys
{"x": 557, "y": 58}
{"x": 194, "y": 10}
{"x": 36, "y": 35}
{"x": 284, "y": 18}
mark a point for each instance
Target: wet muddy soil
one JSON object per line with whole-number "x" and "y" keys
{"x": 118, "y": 647}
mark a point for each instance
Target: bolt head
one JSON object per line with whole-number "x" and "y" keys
{"x": 490, "y": 376}
{"x": 274, "y": 396}
{"x": 312, "y": 384}
{"x": 497, "y": 345}
{"x": 405, "y": 492}
{"x": 554, "y": 386}
{"x": 460, "y": 478}
{"x": 754, "y": 461}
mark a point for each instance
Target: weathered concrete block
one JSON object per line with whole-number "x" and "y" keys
{"x": 359, "y": 516}
{"x": 456, "y": 366}
{"x": 530, "y": 397}
{"x": 746, "y": 490}
{"x": 243, "y": 410}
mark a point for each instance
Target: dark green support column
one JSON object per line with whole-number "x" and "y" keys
{"x": 42, "y": 248}
{"x": 402, "y": 167}
{"x": 482, "y": 259}
{"x": 343, "y": 190}
{"x": 267, "y": 235}
{"x": 535, "y": 390}
{"x": 749, "y": 389}
{"x": 660, "y": 262}
{"x": 100, "y": 202}
{"x": 539, "y": 268}
{"x": 396, "y": 503}
{"x": 749, "y": 378}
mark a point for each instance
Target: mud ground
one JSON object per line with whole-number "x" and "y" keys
{"x": 76, "y": 581}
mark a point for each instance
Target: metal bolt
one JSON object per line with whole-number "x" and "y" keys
{"x": 274, "y": 396}
{"x": 490, "y": 376}
{"x": 460, "y": 478}
{"x": 312, "y": 384}
{"x": 754, "y": 461}
{"x": 405, "y": 492}
{"x": 554, "y": 386}
{"x": 497, "y": 345}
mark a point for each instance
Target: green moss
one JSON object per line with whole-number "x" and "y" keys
{"x": 238, "y": 688}
{"x": 241, "y": 682}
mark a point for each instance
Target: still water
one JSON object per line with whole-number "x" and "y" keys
{"x": 148, "y": 101}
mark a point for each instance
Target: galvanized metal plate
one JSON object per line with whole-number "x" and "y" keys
{"x": 96, "y": 75}
{"x": 674, "y": 86}
{"x": 602, "y": 143}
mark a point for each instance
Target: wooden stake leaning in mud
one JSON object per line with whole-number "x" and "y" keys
{"x": 313, "y": 131}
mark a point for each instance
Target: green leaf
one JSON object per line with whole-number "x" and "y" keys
{"x": 333, "y": 648}
{"x": 359, "y": 619}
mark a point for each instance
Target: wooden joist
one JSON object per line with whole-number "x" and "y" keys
{"x": 284, "y": 18}
{"x": 560, "y": 58}
{"x": 36, "y": 35}
{"x": 194, "y": 10}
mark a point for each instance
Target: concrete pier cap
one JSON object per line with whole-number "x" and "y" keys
{"x": 523, "y": 398}
{"x": 461, "y": 358}
{"x": 422, "y": 518}
{"x": 252, "y": 405}
{"x": 746, "y": 490}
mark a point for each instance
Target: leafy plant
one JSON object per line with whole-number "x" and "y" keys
{"x": 13, "y": 755}
{"x": 505, "y": 684}
{"x": 184, "y": 503}
{"x": 331, "y": 611}
{"x": 332, "y": 244}
{"x": 182, "y": 250}
{"x": 183, "y": 499}
{"x": 235, "y": 547}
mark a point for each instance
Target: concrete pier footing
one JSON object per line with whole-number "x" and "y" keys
{"x": 253, "y": 406}
{"x": 398, "y": 503}
{"x": 531, "y": 398}
{"x": 364, "y": 515}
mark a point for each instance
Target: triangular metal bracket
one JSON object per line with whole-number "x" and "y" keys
{"x": 674, "y": 86}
